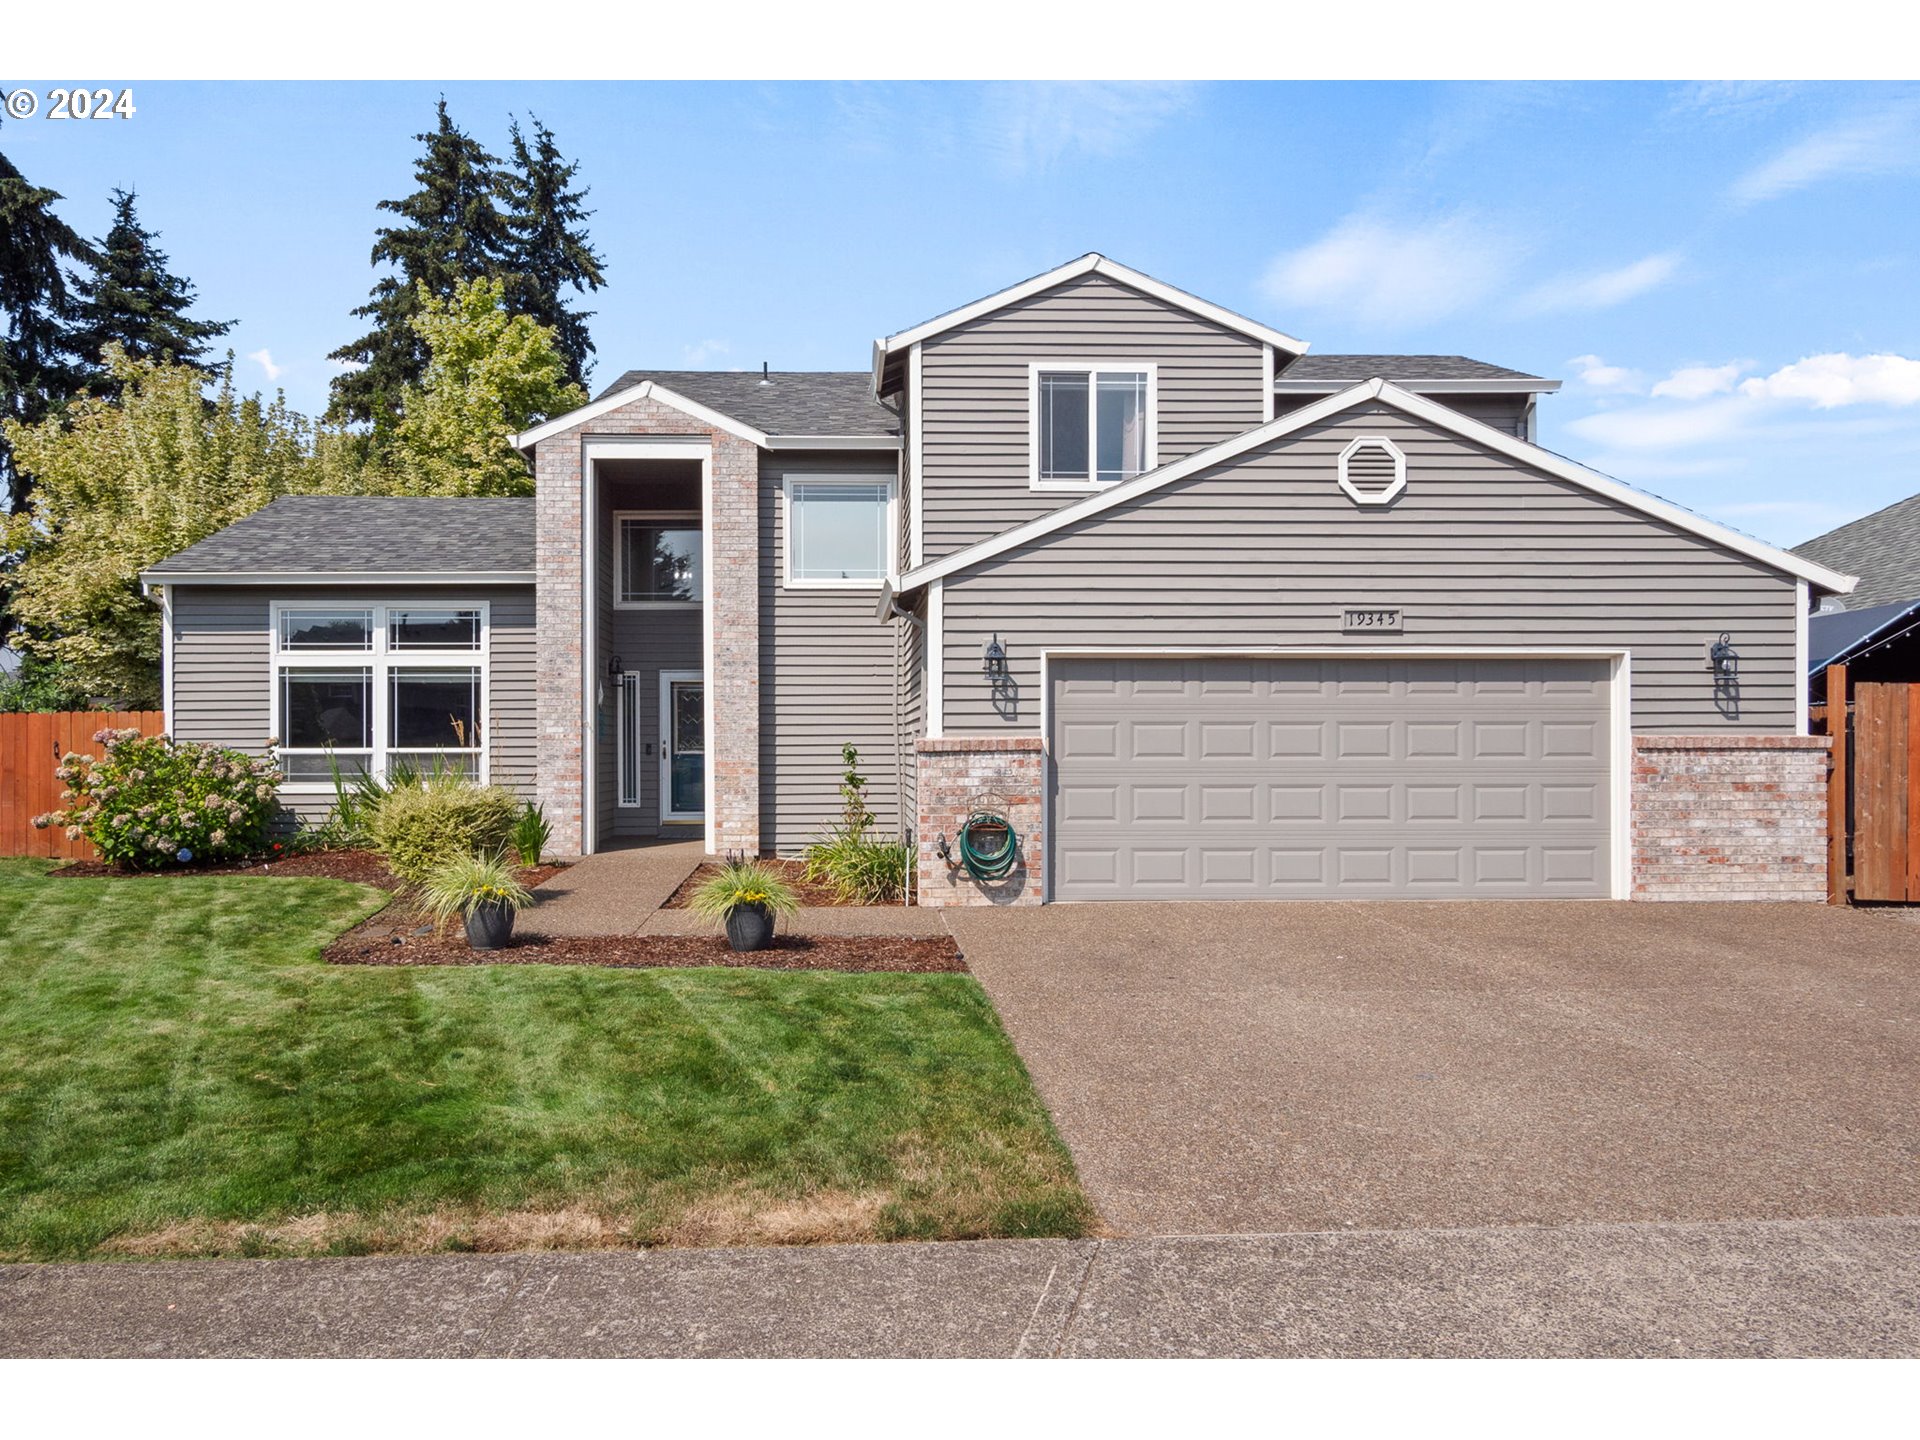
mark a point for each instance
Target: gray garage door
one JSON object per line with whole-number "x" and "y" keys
{"x": 1341, "y": 779}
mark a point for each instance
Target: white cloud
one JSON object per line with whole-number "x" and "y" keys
{"x": 264, "y": 359}
{"x": 698, "y": 354}
{"x": 1866, "y": 145}
{"x": 1731, "y": 99}
{"x": 1595, "y": 374}
{"x": 1599, "y": 290}
{"x": 1395, "y": 276}
{"x": 1663, "y": 427}
{"x": 1697, "y": 382}
{"x": 1829, "y": 381}
{"x": 1030, "y": 125}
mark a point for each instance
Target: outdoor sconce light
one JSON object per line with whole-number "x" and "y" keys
{"x": 616, "y": 668}
{"x": 1724, "y": 661}
{"x": 1006, "y": 691}
{"x": 995, "y": 661}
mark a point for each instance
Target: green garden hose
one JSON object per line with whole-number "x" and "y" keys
{"x": 993, "y": 857}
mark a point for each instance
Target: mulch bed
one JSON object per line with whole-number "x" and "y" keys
{"x": 794, "y": 872}
{"x": 380, "y": 941}
{"x": 362, "y": 866}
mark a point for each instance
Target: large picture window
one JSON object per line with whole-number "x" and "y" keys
{"x": 838, "y": 531}
{"x": 660, "y": 560}
{"x": 370, "y": 688}
{"x": 1092, "y": 425}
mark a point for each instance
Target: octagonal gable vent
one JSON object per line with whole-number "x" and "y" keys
{"x": 1372, "y": 470}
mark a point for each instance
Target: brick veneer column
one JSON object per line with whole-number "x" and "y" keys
{"x": 733, "y": 601}
{"x": 1730, "y": 817}
{"x": 953, "y": 771}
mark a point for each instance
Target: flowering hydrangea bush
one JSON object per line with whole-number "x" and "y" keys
{"x": 151, "y": 801}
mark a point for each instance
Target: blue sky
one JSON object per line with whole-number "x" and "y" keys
{"x": 1722, "y": 274}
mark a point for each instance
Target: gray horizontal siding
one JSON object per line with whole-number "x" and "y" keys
{"x": 1266, "y": 551}
{"x": 975, "y": 444}
{"x": 1505, "y": 413}
{"x": 223, "y": 676}
{"x": 826, "y": 678}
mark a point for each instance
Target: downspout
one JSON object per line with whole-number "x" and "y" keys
{"x": 894, "y": 612}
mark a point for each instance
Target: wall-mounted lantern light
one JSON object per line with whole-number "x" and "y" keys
{"x": 1006, "y": 692}
{"x": 616, "y": 667}
{"x": 994, "y": 661}
{"x": 1724, "y": 661}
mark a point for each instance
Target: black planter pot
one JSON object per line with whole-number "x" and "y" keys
{"x": 750, "y": 927}
{"x": 489, "y": 924}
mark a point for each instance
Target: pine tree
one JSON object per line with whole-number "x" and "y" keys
{"x": 550, "y": 249}
{"x": 38, "y": 369}
{"x": 133, "y": 301}
{"x": 452, "y": 230}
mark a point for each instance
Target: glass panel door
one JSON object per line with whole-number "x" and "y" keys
{"x": 684, "y": 729}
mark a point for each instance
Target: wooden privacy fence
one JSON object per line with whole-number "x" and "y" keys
{"x": 1873, "y": 796}
{"x": 31, "y": 747}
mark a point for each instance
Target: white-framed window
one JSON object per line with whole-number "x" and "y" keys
{"x": 659, "y": 564}
{"x": 839, "y": 530}
{"x": 1092, "y": 425}
{"x": 365, "y": 687}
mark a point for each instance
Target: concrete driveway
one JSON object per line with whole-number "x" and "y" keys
{"x": 1289, "y": 1067}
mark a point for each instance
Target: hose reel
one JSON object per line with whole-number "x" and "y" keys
{"x": 987, "y": 845}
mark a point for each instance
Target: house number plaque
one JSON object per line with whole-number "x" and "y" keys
{"x": 1375, "y": 621}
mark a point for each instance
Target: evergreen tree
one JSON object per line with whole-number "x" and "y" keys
{"x": 133, "y": 301}
{"x": 550, "y": 248}
{"x": 451, "y": 229}
{"x": 38, "y": 369}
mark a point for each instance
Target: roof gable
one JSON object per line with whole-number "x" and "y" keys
{"x": 1434, "y": 413}
{"x": 1884, "y": 548}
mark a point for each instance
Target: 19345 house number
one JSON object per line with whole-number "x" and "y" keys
{"x": 1376, "y": 621}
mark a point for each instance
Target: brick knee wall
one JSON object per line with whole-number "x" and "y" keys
{"x": 1730, "y": 817}
{"x": 952, "y": 773}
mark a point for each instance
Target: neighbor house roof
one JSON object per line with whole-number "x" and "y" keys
{"x": 1834, "y": 636}
{"x": 780, "y": 402}
{"x": 1883, "y": 549}
{"x": 1420, "y": 373}
{"x": 1089, "y": 264}
{"x": 343, "y": 538}
{"x": 1434, "y": 413}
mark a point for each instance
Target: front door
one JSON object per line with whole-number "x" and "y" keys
{"x": 683, "y": 749}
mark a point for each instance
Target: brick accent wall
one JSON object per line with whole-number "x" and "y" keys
{"x": 952, "y": 772}
{"x": 1730, "y": 817}
{"x": 733, "y": 604}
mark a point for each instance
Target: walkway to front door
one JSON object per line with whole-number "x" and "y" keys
{"x": 612, "y": 892}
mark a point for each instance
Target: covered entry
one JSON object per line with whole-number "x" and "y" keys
{"x": 1222, "y": 777}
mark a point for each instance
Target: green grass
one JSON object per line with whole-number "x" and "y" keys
{"x": 181, "y": 1074}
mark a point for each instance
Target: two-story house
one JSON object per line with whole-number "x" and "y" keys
{"x": 1202, "y": 614}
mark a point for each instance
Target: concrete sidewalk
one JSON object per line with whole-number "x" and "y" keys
{"x": 1734, "y": 1288}
{"x": 612, "y": 892}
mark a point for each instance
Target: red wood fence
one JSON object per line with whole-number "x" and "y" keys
{"x": 1873, "y": 792}
{"x": 31, "y": 747}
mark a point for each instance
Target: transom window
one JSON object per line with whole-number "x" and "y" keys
{"x": 369, "y": 689}
{"x": 660, "y": 560}
{"x": 1092, "y": 424}
{"x": 838, "y": 530}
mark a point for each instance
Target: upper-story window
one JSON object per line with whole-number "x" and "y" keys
{"x": 839, "y": 530}
{"x": 1092, "y": 424}
{"x": 660, "y": 560}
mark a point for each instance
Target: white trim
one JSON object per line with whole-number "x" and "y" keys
{"x": 1266, "y": 383}
{"x": 1092, "y": 369}
{"x": 891, "y": 529}
{"x": 626, "y": 713}
{"x": 390, "y": 579}
{"x": 645, "y": 390}
{"x": 1434, "y": 413}
{"x": 1529, "y": 386}
{"x": 589, "y": 651}
{"x": 618, "y": 580}
{"x": 380, "y": 659}
{"x": 936, "y": 660}
{"x": 916, "y": 461}
{"x": 1394, "y": 486}
{"x": 166, "y": 659}
{"x": 1801, "y": 601}
{"x": 833, "y": 442}
{"x": 1619, "y": 719}
{"x": 1090, "y": 264}
{"x": 645, "y": 447}
{"x": 668, "y": 815}
{"x": 707, "y": 666}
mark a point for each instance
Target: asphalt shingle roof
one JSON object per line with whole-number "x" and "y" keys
{"x": 374, "y": 535}
{"x": 1883, "y": 549}
{"x": 787, "y": 402}
{"x": 1397, "y": 367}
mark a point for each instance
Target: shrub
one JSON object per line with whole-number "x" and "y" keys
{"x": 149, "y": 801}
{"x": 531, "y": 832}
{"x": 860, "y": 870}
{"x": 417, "y": 827}
{"x": 465, "y": 882}
{"x": 742, "y": 882}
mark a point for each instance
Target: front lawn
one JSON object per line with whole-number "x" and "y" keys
{"x": 180, "y": 1074}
